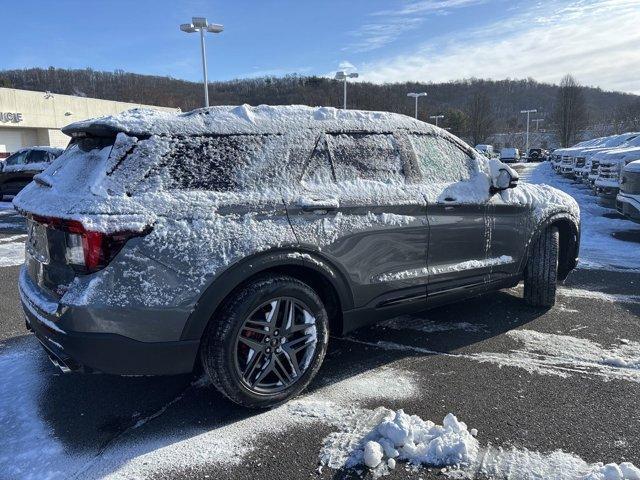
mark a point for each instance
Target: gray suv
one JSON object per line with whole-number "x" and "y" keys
{"x": 241, "y": 237}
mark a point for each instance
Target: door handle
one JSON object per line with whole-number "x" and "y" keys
{"x": 450, "y": 199}
{"x": 316, "y": 204}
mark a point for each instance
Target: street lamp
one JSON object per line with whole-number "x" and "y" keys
{"x": 436, "y": 118}
{"x": 342, "y": 75}
{"x": 528, "y": 112}
{"x": 417, "y": 96}
{"x": 200, "y": 24}
{"x": 538, "y": 120}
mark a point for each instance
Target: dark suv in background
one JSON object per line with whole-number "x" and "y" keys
{"x": 243, "y": 236}
{"x": 20, "y": 167}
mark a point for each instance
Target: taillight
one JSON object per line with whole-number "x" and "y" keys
{"x": 87, "y": 250}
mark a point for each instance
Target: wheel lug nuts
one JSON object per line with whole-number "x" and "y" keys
{"x": 267, "y": 339}
{"x": 276, "y": 333}
{"x": 268, "y": 350}
{"x": 278, "y": 350}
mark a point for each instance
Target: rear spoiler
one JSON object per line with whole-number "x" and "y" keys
{"x": 95, "y": 129}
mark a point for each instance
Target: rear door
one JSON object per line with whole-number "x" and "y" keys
{"x": 355, "y": 210}
{"x": 459, "y": 230}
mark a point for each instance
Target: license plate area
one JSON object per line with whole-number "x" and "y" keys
{"x": 37, "y": 246}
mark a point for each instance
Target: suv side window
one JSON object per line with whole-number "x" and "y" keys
{"x": 366, "y": 156}
{"x": 440, "y": 160}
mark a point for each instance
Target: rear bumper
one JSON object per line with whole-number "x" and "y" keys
{"x": 629, "y": 206}
{"x": 102, "y": 352}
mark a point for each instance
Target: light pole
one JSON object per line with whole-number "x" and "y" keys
{"x": 200, "y": 24}
{"x": 436, "y": 118}
{"x": 342, "y": 75}
{"x": 417, "y": 96}
{"x": 538, "y": 120}
{"x": 528, "y": 112}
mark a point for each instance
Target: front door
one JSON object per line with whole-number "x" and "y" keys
{"x": 459, "y": 228}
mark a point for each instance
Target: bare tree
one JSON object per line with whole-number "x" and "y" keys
{"x": 570, "y": 112}
{"x": 480, "y": 118}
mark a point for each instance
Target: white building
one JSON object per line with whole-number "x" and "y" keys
{"x": 35, "y": 118}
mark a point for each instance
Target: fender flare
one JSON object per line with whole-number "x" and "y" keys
{"x": 568, "y": 252}
{"x": 224, "y": 282}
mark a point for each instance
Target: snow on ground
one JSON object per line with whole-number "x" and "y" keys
{"x": 12, "y": 250}
{"x": 598, "y": 248}
{"x": 381, "y": 438}
{"x": 31, "y": 450}
{"x": 550, "y": 354}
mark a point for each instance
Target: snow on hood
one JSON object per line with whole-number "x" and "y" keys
{"x": 248, "y": 119}
{"x": 544, "y": 200}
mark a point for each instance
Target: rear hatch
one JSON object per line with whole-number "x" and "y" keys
{"x": 78, "y": 216}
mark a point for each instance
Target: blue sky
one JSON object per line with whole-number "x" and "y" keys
{"x": 385, "y": 40}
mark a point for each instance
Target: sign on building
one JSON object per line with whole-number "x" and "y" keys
{"x": 10, "y": 117}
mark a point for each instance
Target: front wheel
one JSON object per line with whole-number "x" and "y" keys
{"x": 267, "y": 343}
{"x": 541, "y": 272}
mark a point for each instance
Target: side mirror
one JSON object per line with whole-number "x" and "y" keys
{"x": 502, "y": 176}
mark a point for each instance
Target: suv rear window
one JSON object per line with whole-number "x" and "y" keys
{"x": 366, "y": 156}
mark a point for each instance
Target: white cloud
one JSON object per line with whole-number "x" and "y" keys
{"x": 596, "y": 40}
{"x": 395, "y": 23}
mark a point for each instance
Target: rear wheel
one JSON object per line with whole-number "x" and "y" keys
{"x": 267, "y": 343}
{"x": 541, "y": 272}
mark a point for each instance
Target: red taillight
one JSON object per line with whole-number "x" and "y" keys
{"x": 88, "y": 250}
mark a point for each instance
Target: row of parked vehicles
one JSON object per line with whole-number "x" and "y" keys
{"x": 609, "y": 165}
{"x": 513, "y": 155}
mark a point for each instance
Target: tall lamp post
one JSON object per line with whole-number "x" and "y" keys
{"x": 342, "y": 75}
{"x": 538, "y": 120}
{"x": 436, "y": 118}
{"x": 416, "y": 96}
{"x": 200, "y": 24}
{"x": 528, "y": 112}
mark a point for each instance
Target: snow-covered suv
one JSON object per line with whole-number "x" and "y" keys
{"x": 243, "y": 235}
{"x": 628, "y": 200}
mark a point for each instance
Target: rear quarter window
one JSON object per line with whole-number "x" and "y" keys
{"x": 224, "y": 163}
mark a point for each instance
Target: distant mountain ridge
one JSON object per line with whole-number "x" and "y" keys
{"x": 507, "y": 97}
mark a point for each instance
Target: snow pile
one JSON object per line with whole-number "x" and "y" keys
{"x": 613, "y": 471}
{"x": 383, "y": 437}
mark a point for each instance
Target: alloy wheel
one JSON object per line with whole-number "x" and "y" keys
{"x": 275, "y": 345}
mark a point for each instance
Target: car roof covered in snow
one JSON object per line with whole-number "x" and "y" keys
{"x": 46, "y": 148}
{"x": 245, "y": 119}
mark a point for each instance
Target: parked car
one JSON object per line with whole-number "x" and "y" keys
{"x": 509, "y": 155}
{"x": 19, "y": 168}
{"x": 240, "y": 237}
{"x": 566, "y": 167}
{"x": 486, "y": 150}
{"x": 628, "y": 199}
{"x": 610, "y": 166}
{"x": 586, "y": 166}
{"x": 536, "y": 155}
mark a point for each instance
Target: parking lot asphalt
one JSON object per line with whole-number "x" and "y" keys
{"x": 548, "y": 391}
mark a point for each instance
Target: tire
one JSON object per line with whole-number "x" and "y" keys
{"x": 541, "y": 272}
{"x": 227, "y": 357}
